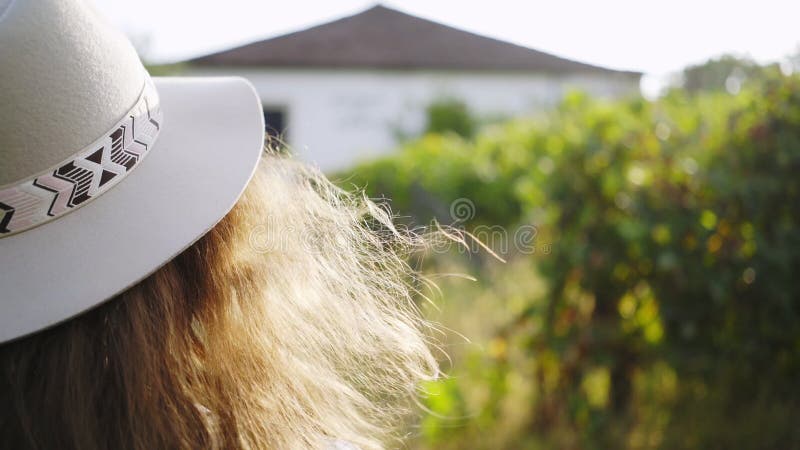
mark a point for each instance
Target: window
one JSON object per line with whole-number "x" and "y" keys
{"x": 275, "y": 125}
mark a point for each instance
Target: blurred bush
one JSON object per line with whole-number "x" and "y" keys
{"x": 450, "y": 115}
{"x": 725, "y": 73}
{"x": 659, "y": 307}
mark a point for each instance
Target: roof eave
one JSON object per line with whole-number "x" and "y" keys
{"x": 592, "y": 70}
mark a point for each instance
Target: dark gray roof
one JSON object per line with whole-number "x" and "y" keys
{"x": 381, "y": 37}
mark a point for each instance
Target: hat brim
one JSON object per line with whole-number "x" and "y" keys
{"x": 208, "y": 148}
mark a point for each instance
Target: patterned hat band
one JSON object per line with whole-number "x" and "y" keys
{"x": 87, "y": 174}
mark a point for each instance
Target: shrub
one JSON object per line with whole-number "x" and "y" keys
{"x": 667, "y": 313}
{"x": 450, "y": 115}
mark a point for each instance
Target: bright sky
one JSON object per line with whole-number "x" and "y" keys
{"x": 655, "y": 37}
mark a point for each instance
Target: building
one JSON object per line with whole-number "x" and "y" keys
{"x": 345, "y": 90}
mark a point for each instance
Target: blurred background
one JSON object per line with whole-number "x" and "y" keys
{"x": 633, "y": 166}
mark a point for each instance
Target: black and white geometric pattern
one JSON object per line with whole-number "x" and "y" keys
{"x": 91, "y": 172}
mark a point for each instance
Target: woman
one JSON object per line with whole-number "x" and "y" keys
{"x": 166, "y": 285}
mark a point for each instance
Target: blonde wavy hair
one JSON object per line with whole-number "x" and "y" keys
{"x": 290, "y": 324}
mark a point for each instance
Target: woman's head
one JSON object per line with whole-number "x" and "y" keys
{"x": 290, "y": 323}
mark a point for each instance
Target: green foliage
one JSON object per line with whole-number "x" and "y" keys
{"x": 667, "y": 313}
{"x": 165, "y": 70}
{"x": 725, "y": 73}
{"x": 450, "y": 115}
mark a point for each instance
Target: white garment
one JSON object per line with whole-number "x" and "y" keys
{"x": 339, "y": 444}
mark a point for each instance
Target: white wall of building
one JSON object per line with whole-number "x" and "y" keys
{"x": 338, "y": 117}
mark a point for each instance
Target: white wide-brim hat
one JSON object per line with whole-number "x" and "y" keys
{"x": 106, "y": 174}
